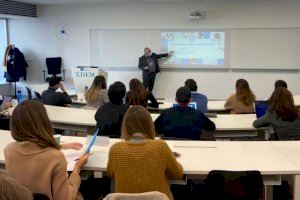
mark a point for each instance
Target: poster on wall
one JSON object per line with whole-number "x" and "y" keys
{"x": 83, "y": 77}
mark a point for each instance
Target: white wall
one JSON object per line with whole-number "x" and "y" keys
{"x": 36, "y": 38}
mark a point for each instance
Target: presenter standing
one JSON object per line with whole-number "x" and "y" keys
{"x": 149, "y": 64}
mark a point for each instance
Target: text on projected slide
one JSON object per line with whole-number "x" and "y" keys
{"x": 194, "y": 48}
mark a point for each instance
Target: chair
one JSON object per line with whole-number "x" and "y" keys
{"x": 139, "y": 196}
{"x": 233, "y": 185}
{"x": 53, "y": 68}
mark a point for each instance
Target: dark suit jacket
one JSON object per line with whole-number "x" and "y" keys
{"x": 183, "y": 122}
{"x": 53, "y": 98}
{"x": 143, "y": 61}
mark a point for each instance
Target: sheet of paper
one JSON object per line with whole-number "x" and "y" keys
{"x": 71, "y": 155}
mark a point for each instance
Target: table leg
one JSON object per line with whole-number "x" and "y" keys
{"x": 296, "y": 187}
{"x": 268, "y": 192}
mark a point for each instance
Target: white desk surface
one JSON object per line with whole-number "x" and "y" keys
{"x": 297, "y": 100}
{"x": 290, "y": 149}
{"x": 69, "y": 115}
{"x": 234, "y": 121}
{"x": 84, "y": 117}
{"x": 211, "y": 105}
{"x": 262, "y": 156}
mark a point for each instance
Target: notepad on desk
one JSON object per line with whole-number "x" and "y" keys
{"x": 195, "y": 144}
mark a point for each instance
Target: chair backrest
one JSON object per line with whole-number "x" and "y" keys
{"x": 139, "y": 196}
{"x": 40, "y": 197}
{"x": 289, "y": 133}
{"x": 261, "y": 107}
{"x": 53, "y": 65}
{"x": 233, "y": 185}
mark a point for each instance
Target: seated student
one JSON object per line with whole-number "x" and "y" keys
{"x": 51, "y": 97}
{"x": 11, "y": 190}
{"x": 282, "y": 113}
{"x": 138, "y": 95}
{"x": 243, "y": 100}
{"x": 140, "y": 163}
{"x": 183, "y": 121}
{"x": 35, "y": 160}
{"x": 200, "y": 99}
{"x": 109, "y": 117}
{"x": 281, "y": 83}
{"x": 96, "y": 95}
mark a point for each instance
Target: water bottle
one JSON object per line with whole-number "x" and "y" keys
{"x": 86, "y": 88}
{"x": 19, "y": 96}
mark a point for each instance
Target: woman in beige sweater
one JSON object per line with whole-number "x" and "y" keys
{"x": 35, "y": 160}
{"x": 140, "y": 163}
{"x": 243, "y": 100}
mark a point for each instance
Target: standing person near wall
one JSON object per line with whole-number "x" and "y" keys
{"x": 148, "y": 63}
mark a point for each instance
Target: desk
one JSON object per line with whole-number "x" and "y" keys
{"x": 291, "y": 150}
{"x": 297, "y": 100}
{"x": 76, "y": 119}
{"x": 212, "y": 106}
{"x": 66, "y": 118}
{"x": 270, "y": 159}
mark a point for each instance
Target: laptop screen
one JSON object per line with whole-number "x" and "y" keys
{"x": 261, "y": 108}
{"x": 192, "y": 105}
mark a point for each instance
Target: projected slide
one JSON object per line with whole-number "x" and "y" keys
{"x": 194, "y": 48}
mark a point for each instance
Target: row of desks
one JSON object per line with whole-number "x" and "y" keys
{"x": 83, "y": 119}
{"x": 198, "y": 158}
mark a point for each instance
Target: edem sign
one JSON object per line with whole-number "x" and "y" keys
{"x": 85, "y": 74}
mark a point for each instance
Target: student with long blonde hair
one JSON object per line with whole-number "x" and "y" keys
{"x": 11, "y": 190}
{"x": 140, "y": 163}
{"x": 243, "y": 100}
{"x": 96, "y": 96}
{"x": 35, "y": 160}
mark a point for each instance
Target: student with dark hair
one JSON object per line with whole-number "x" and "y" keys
{"x": 282, "y": 113}
{"x": 51, "y": 97}
{"x": 109, "y": 116}
{"x": 280, "y": 83}
{"x": 200, "y": 99}
{"x": 139, "y": 95}
{"x": 96, "y": 96}
{"x": 243, "y": 100}
{"x": 34, "y": 160}
{"x": 183, "y": 121}
{"x": 139, "y": 163}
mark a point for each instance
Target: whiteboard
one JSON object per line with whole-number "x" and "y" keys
{"x": 246, "y": 48}
{"x": 265, "y": 48}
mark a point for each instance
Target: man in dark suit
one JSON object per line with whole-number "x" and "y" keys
{"x": 149, "y": 64}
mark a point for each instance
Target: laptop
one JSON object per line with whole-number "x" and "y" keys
{"x": 192, "y": 105}
{"x": 261, "y": 108}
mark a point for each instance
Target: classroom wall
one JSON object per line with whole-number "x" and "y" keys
{"x": 36, "y": 37}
